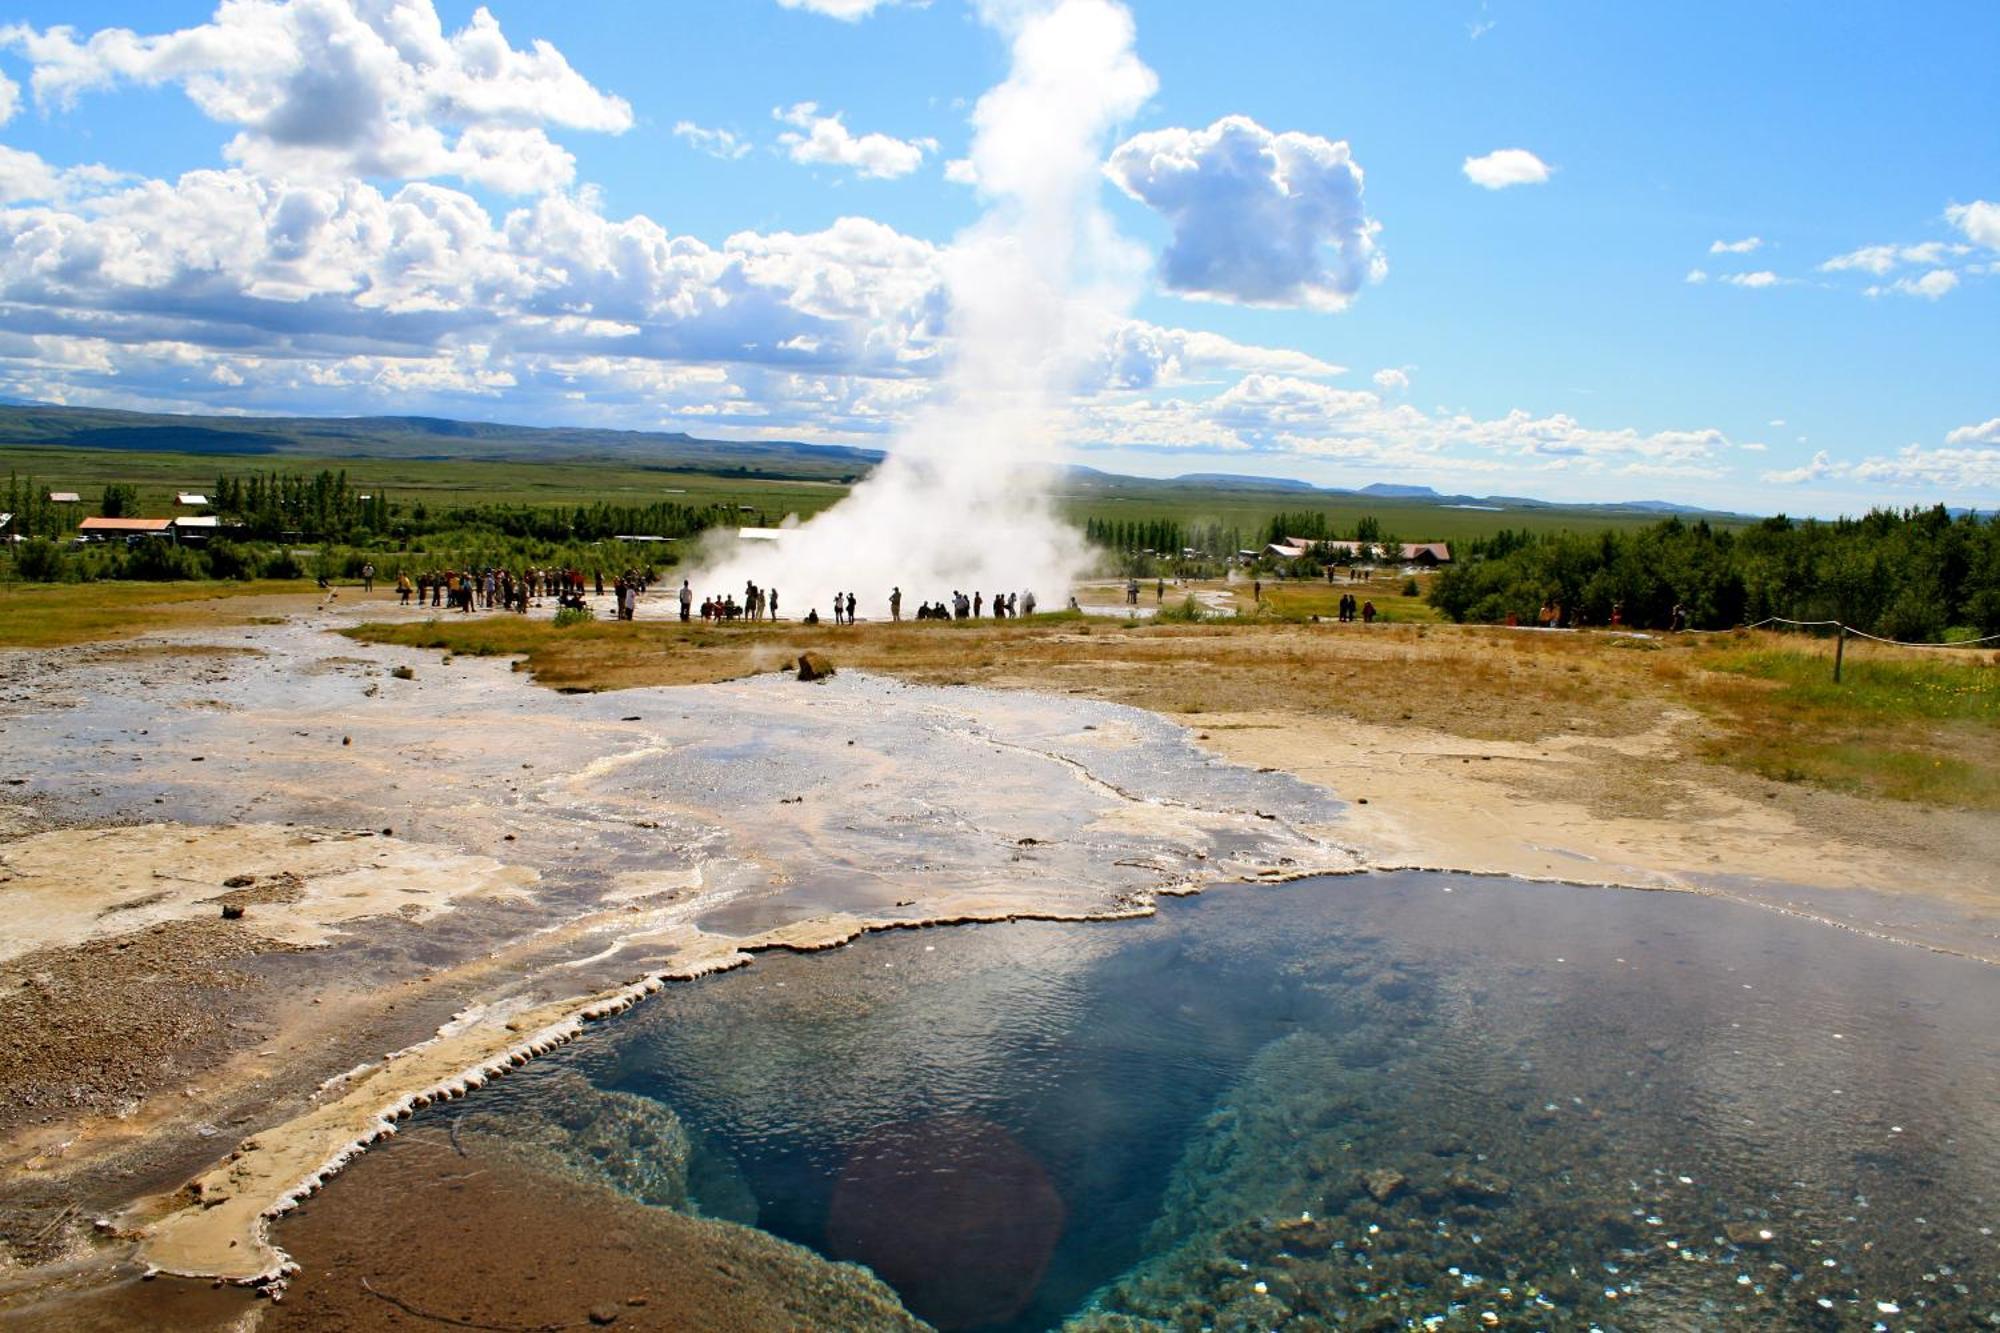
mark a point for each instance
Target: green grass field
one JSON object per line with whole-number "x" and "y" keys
{"x": 444, "y": 483}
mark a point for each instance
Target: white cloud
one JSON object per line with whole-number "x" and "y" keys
{"x": 1881, "y": 260}
{"x": 1696, "y": 276}
{"x": 1743, "y": 247}
{"x": 1258, "y": 218}
{"x": 1967, "y": 465}
{"x": 1753, "y": 447}
{"x": 848, "y": 11}
{"x": 1145, "y": 356}
{"x": 1930, "y": 286}
{"x": 960, "y": 171}
{"x": 1761, "y": 278}
{"x": 1979, "y": 220}
{"x": 716, "y": 143}
{"x": 1506, "y": 166}
{"x": 1286, "y": 415}
{"x": 1821, "y": 467}
{"x": 825, "y": 141}
{"x": 25, "y": 176}
{"x": 331, "y": 89}
{"x": 10, "y": 98}
{"x": 1392, "y": 379}
{"x": 1985, "y": 433}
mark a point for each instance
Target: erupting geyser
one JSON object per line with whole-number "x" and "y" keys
{"x": 1033, "y": 289}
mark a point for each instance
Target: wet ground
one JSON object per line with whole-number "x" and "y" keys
{"x": 1336, "y": 1102}
{"x": 1363, "y": 1102}
{"x": 622, "y": 826}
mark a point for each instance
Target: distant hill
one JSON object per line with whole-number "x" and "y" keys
{"x": 428, "y": 438}
{"x": 422, "y": 438}
{"x": 1231, "y": 481}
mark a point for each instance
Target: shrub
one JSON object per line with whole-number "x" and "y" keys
{"x": 40, "y": 560}
{"x": 281, "y": 564}
{"x": 573, "y": 615}
{"x": 1411, "y": 589}
{"x": 1188, "y": 612}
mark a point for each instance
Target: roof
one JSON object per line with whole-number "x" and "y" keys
{"x": 207, "y": 521}
{"x": 196, "y": 498}
{"x": 762, "y": 534}
{"x": 5, "y": 519}
{"x": 124, "y": 525}
{"x": 1441, "y": 550}
{"x": 65, "y": 498}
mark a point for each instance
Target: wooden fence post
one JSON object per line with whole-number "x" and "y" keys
{"x": 1839, "y": 651}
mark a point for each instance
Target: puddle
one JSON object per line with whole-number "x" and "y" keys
{"x": 1458, "y": 1102}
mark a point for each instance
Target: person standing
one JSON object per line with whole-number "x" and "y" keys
{"x": 895, "y": 604}
{"x": 687, "y": 601}
{"x": 368, "y": 577}
{"x": 850, "y": 608}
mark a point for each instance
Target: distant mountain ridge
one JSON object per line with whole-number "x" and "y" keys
{"x": 428, "y": 438}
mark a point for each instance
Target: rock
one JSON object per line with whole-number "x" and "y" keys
{"x": 813, "y": 666}
{"x": 1748, "y": 1233}
{"x": 403, "y": 673}
{"x": 1478, "y": 1186}
{"x": 602, "y": 1315}
{"x": 232, "y": 911}
{"x": 1383, "y": 1184}
{"x": 239, "y": 881}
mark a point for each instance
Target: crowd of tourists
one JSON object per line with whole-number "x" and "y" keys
{"x": 523, "y": 590}
{"x": 518, "y": 591}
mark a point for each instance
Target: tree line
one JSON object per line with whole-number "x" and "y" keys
{"x": 1916, "y": 574}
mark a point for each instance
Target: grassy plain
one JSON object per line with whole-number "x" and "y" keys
{"x": 447, "y": 482}
{"x": 57, "y": 615}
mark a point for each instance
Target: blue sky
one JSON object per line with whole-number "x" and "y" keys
{"x": 1740, "y": 255}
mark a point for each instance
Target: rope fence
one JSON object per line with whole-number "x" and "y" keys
{"x": 1846, "y": 629}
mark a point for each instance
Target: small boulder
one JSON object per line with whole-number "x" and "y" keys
{"x": 1383, "y": 1184}
{"x": 232, "y": 911}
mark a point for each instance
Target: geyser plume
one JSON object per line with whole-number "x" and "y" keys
{"x": 1035, "y": 286}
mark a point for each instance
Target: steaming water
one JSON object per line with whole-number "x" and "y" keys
{"x": 1584, "y": 1107}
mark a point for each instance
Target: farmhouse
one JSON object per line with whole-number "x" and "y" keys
{"x": 196, "y": 500}
{"x": 104, "y": 529}
{"x": 1427, "y": 554}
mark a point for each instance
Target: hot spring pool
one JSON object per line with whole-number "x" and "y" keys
{"x": 1444, "y": 1101}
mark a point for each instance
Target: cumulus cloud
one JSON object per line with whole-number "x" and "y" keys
{"x": 1258, "y": 218}
{"x": 716, "y": 143}
{"x": 1696, "y": 276}
{"x": 340, "y": 88}
{"x": 1761, "y": 278}
{"x": 848, "y": 11}
{"x": 10, "y": 98}
{"x": 1506, "y": 166}
{"x": 1393, "y": 379}
{"x": 818, "y": 140}
{"x": 1818, "y": 468}
{"x": 1267, "y": 412}
{"x": 1881, "y": 260}
{"x": 1979, "y": 220}
{"x": 1930, "y": 286}
{"x": 1145, "y": 356}
{"x": 1968, "y": 464}
{"x": 1743, "y": 247}
{"x": 1985, "y": 433}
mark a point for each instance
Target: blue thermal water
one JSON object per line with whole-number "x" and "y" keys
{"x": 1351, "y": 1102}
